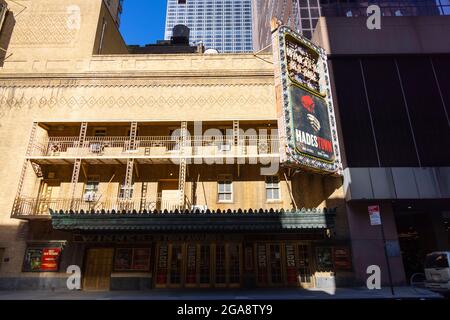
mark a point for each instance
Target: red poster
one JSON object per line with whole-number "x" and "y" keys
{"x": 50, "y": 259}
{"x": 291, "y": 269}
{"x": 341, "y": 258}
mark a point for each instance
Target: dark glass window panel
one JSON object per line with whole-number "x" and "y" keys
{"x": 234, "y": 263}
{"x": 354, "y": 114}
{"x": 429, "y": 122}
{"x": 307, "y": 34}
{"x": 123, "y": 259}
{"x": 220, "y": 264}
{"x": 176, "y": 264}
{"x": 204, "y": 264}
{"x": 442, "y": 68}
{"x": 389, "y": 115}
{"x": 275, "y": 264}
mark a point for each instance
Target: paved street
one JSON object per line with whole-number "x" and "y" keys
{"x": 262, "y": 294}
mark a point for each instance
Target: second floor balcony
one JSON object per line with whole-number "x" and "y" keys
{"x": 41, "y": 207}
{"x": 156, "y": 147}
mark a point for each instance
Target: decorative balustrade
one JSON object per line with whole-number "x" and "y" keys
{"x": 41, "y": 207}
{"x": 158, "y": 146}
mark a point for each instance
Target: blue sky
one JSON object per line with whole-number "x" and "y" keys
{"x": 143, "y": 21}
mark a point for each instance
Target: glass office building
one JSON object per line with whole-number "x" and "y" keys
{"x": 225, "y": 25}
{"x": 302, "y": 15}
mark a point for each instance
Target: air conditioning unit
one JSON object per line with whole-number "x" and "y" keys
{"x": 225, "y": 147}
{"x": 90, "y": 197}
{"x": 96, "y": 148}
{"x": 199, "y": 207}
{"x": 3, "y": 10}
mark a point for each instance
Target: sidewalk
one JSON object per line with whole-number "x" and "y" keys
{"x": 208, "y": 294}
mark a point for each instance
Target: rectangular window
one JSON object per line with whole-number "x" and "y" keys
{"x": 389, "y": 113}
{"x": 354, "y": 114}
{"x": 91, "y": 188}
{"x": 272, "y": 188}
{"x": 125, "y": 192}
{"x": 132, "y": 259}
{"x": 225, "y": 189}
{"x": 99, "y": 132}
{"x": 426, "y": 110}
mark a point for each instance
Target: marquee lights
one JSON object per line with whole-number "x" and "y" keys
{"x": 308, "y": 134}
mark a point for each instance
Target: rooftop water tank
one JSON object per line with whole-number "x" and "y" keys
{"x": 180, "y": 34}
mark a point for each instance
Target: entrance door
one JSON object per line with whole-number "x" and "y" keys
{"x": 194, "y": 265}
{"x": 234, "y": 264}
{"x": 176, "y": 266}
{"x": 162, "y": 262}
{"x": 220, "y": 266}
{"x": 275, "y": 267}
{"x": 49, "y": 192}
{"x": 304, "y": 265}
{"x": 205, "y": 265}
{"x": 97, "y": 275}
{"x": 191, "y": 265}
{"x": 298, "y": 271}
{"x": 261, "y": 264}
{"x": 283, "y": 264}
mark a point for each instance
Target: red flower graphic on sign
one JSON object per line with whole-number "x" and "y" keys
{"x": 308, "y": 103}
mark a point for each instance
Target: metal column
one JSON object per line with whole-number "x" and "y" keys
{"x": 24, "y": 168}
{"x": 129, "y": 179}
{"x": 183, "y": 164}
{"x": 77, "y": 164}
{"x": 133, "y": 135}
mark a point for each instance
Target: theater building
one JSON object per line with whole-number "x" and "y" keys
{"x": 151, "y": 170}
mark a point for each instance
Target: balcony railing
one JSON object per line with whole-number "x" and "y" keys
{"x": 41, "y": 207}
{"x": 157, "y": 146}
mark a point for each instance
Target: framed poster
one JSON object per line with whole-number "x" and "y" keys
{"x": 312, "y": 133}
{"x": 341, "y": 258}
{"x": 41, "y": 259}
{"x": 32, "y": 261}
{"x": 141, "y": 259}
{"x": 50, "y": 259}
{"x": 132, "y": 259}
{"x": 123, "y": 259}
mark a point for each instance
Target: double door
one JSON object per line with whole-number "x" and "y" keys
{"x": 198, "y": 265}
{"x": 97, "y": 274}
{"x": 283, "y": 264}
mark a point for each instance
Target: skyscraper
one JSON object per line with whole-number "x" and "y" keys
{"x": 115, "y": 7}
{"x": 302, "y": 15}
{"x": 225, "y": 25}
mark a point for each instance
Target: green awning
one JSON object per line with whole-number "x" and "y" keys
{"x": 196, "y": 221}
